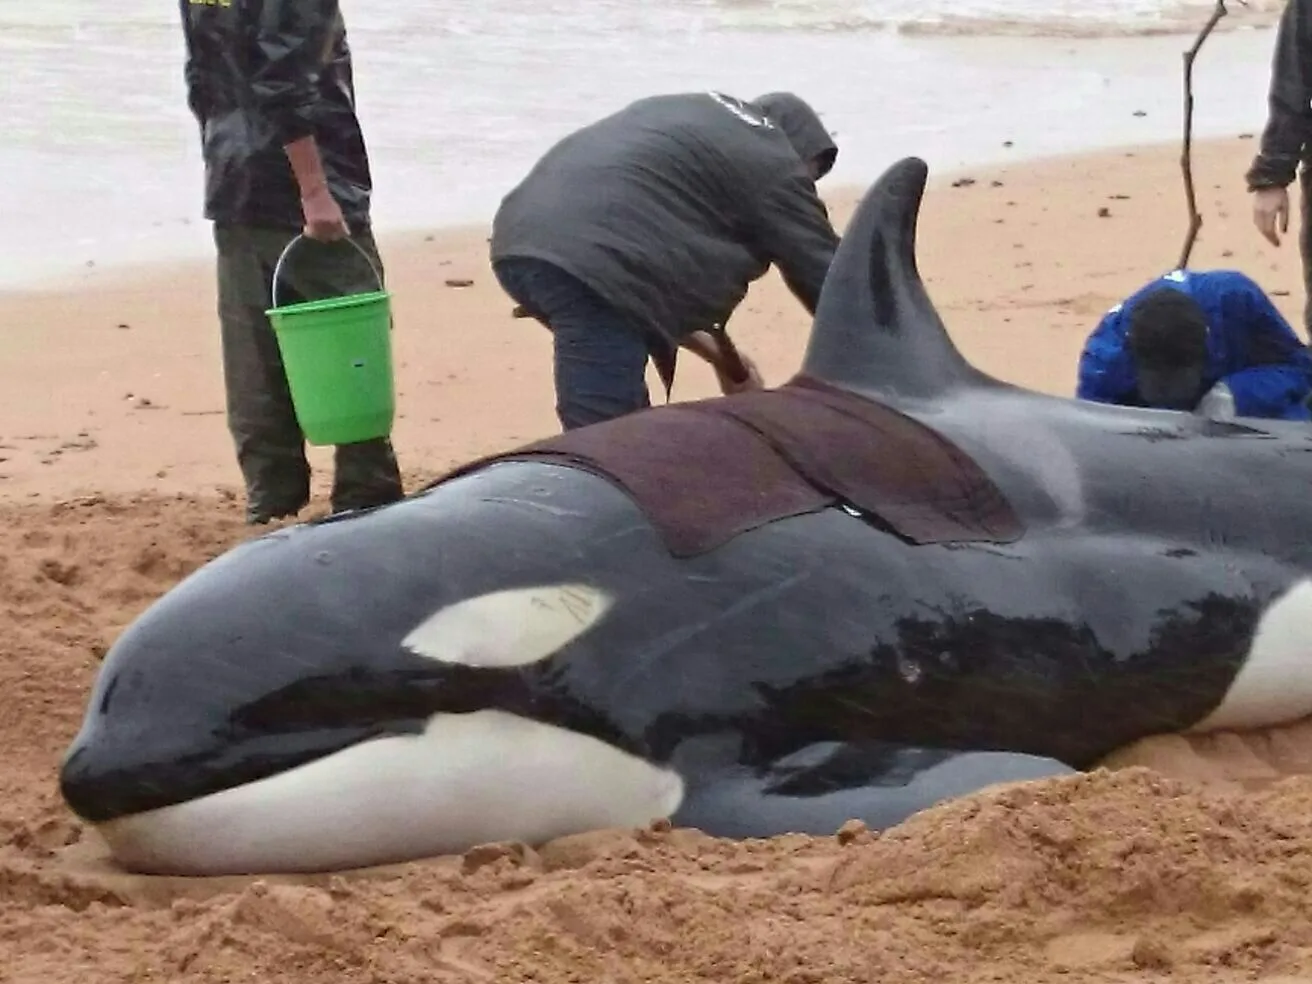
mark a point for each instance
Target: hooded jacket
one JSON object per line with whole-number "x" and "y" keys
{"x": 1289, "y": 101}
{"x": 1250, "y": 347}
{"x": 670, "y": 208}
{"x": 259, "y": 75}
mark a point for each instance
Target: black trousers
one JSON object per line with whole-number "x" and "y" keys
{"x": 600, "y": 359}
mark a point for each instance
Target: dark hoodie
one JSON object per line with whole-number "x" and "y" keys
{"x": 672, "y": 206}
{"x": 1285, "y": 140}
{"x": 259, "y": 75}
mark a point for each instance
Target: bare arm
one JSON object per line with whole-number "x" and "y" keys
{"x": 734, "y": 370}
{"x": 293, "y": 40}
{"x": 303, "y": 154}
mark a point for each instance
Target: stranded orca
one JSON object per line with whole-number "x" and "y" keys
{"x": 519, "y": 652}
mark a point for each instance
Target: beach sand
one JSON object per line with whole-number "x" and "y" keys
{"x": 1188, "y": 857}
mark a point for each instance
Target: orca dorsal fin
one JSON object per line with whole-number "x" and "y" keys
{"x": 876, "y": 331}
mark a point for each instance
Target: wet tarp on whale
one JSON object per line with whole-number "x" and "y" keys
{"x": 706, "y": 471}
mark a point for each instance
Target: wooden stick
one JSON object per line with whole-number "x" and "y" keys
{"x": 1186, "y": 155}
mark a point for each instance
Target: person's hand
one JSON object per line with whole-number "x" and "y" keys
{"x": 1218, "y": 403}
{"x": 1271, "y": 207}
{"x": 729, "y": 386}
{"x": 323, "y": 216}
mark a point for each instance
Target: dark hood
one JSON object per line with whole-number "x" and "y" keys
{"x": 802, "y": 126}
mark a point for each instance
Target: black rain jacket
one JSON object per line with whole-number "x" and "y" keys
{"x": 672, "y": 206}
{"x": 1285, "y": 140}
{"x": 259, "y": 75}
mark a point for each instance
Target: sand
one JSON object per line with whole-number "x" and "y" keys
{"x": 1189, "y": 858}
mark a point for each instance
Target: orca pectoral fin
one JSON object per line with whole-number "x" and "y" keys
{"x": 819, "y": 789}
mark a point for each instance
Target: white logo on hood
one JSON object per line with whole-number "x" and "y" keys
{"x": 741, "y": 110}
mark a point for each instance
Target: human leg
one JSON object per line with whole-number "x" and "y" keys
{"x": 600, "y": 359}
{"x": 365, "y": 474}
{"x": 269, "y": 444}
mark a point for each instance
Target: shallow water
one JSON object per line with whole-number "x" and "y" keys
{"x": 101, "y": 163}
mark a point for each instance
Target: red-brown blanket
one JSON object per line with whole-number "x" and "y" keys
{"x": 703, "y": 472}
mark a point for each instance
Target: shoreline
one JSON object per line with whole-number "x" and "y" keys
{"x": 959, "y": 102}
{"x": 115, "y": 386}
{"x": 840, "y": 198}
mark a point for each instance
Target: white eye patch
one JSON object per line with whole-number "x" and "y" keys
{"x": 517, "y": 627}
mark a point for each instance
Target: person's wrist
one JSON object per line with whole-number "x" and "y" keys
{"x": 315, "y": 192}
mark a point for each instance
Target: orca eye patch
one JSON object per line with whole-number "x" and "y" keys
{"x": 516, "y": 627}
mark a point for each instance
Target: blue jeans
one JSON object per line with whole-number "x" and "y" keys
{"x": 600, "y": 357}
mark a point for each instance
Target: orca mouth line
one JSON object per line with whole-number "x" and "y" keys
{"x": 314, "y": 720}
{"x": 99, "y": 791}
{"x": 464, "y": 779}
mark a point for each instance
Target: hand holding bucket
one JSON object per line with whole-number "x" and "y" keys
{"x": 337, "y": 353}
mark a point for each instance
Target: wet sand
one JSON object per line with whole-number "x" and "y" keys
{"x": 1187, "y": 857}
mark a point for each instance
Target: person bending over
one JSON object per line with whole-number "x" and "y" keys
{"x": 1197, "y": 341}
{"x": 640, "y": 234}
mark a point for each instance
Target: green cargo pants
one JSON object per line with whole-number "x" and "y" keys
{"x": 270, "y": 444}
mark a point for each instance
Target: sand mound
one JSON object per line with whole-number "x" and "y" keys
{"x": 1199, "y": 867}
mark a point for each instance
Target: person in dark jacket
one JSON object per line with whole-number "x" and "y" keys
{"x": 1198, "y": 341}
{"x": 1285, "y": 145}
{"x": 641, "y": 233}
{"x": 270, "y": 83}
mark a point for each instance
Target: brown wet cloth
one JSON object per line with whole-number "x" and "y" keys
{"x": 706, "y": 471}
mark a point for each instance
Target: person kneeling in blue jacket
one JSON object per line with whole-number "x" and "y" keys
{"x": 1199, "y": 338}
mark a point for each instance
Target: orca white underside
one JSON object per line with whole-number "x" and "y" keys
{"x": 467, "y": 779}
{"x": 1274, "y": 686}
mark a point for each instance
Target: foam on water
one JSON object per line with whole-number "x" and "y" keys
{"x": 102, "y": 164}
{"x": 1030, "y": 18}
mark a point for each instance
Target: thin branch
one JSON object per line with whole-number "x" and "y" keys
{"x": 1186, "y": 155}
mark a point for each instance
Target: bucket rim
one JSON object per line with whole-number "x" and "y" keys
{"x": 330, "y": 303}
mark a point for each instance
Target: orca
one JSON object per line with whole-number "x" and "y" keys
{"x": 513, "y": 653}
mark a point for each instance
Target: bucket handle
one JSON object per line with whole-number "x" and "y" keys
{"x": 277, "y": 267}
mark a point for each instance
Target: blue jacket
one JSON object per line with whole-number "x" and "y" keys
{"x": 1251, "y": 347}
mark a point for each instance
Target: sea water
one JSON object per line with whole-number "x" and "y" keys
{"x": 100, "y": 165}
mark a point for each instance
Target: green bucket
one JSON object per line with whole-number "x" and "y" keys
{"x": 337, "y": 353}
